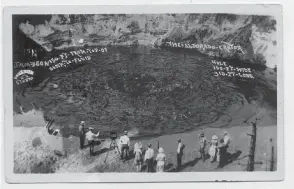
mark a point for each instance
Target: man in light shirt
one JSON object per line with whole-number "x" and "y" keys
{"x": 202, "y": 142}
{"x": 125, "y": 145}
{"x": 180, "y": 153}
{"x": 91, "y": 137}
{"x": 149, "y": 154}
{"x": 227, "y": 139}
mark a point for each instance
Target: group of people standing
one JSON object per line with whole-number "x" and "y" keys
{"x": 217, "y": 150}
{"x": 141, "y": 155}
{"x": 148, "y": 156}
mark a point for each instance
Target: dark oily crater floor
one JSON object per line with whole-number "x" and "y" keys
{"x": 160, "y": 94}
{"x": 170, "y": 109}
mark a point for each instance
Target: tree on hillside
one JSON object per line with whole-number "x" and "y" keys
{"x": 133, "y": 26}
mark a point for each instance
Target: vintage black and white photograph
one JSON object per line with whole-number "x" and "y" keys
{"x": 145, "y": 93}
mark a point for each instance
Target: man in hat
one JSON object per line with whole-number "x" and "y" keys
{"x": 149, "y": 154}
{"x": 180, "y": 153}
{"x": 221, "y": 154}
{"x": 125, "y": 145}
{"x": 90, "y": 138}
{"x": 82, "y": 134}
{"x": 160, "y": 158}
{"x": 138, "y": 155}
{"x": 213, "y": 148}
{"x": 203, "y": 142}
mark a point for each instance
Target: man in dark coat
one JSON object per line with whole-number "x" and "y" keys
{"x": 222, "y": 153}
{"x": 180, "y": 153}
{"x": 149, "y": 158}
{"x": 82, "y": 134}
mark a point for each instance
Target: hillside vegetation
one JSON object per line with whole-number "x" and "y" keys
{"x": 255, "y": 34}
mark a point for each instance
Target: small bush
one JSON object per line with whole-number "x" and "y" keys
{"x": 30, "y": 159}
{"x": 259, "y": 59}
{"x": 133, "y": 26}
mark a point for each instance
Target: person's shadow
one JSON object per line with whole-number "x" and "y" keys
{"x": 130, "y": 156}
{"x": 153, "y": 169}
{"x": 101, "y": 151}
{"x": 168, "y": 167}
{"x": 192, "y": 163}
{"x": 232, "y": 157}
{"x": 144, "y": 168}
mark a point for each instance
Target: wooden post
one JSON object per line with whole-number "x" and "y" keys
{"x": 250, "y": 165}
{"x": 158, "y": 145}
{"x": 272, "y": 155}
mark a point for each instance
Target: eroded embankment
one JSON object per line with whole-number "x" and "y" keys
{"x": 256, "y": 35}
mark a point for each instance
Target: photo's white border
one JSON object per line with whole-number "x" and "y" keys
{"x": 246, "y": 9}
